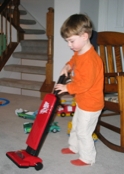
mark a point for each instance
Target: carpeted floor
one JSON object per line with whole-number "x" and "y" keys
{"x": 12, "y": 137}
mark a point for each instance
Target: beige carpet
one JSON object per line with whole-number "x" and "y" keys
{"x": 12, "y": 137}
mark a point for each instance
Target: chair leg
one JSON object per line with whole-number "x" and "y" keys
{"x": 118, "y": 148}
{"x": 121, "y": 102}
{"x": 119, "y": 130}
{"x": 97, "y": 130}
{"x": 122, "y": 129}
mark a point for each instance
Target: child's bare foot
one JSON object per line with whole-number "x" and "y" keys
{"x": 78, "y": 162}
{"x": 67, "y": 151}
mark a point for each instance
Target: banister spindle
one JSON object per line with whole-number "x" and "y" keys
{"x": 10, "y": 23}
{"x": 1, "y": 36}
{"x": 6, "y": 29}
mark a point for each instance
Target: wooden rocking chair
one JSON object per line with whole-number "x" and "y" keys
{"x": 111, "y": 50}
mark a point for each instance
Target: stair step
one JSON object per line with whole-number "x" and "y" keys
{"x": 33, "y": 31}
{"x": 22, "y": 12}
{"x": 30, "y": 56}
{"x": 23, "y": 84}
{"x": 26, "y": 69}
{"x": 33, "y": 42}
{"x": 27, "y": 22}
{"x": 36, "y": 46}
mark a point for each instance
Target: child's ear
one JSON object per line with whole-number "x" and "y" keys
{"x": 85, "y": 36}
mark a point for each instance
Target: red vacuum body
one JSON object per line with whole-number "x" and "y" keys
{"x": 29, "y": 157}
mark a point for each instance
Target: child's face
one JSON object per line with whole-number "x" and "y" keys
{"x": 76, "y": 42}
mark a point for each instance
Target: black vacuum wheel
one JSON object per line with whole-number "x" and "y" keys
{"x": 38, "y": 166}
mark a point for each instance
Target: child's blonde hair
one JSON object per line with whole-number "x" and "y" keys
{"x": 75, "y": 25}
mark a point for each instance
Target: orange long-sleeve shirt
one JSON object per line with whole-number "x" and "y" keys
{"x": 87, "y": 82}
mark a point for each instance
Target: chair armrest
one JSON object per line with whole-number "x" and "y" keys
{"x": 114, "y": 74}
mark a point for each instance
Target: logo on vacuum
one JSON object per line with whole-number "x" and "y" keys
{"x": 45, "y": 108}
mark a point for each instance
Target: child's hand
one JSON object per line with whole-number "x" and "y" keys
{"x": 65, "y": 70}
{"x": 61, "y": 88}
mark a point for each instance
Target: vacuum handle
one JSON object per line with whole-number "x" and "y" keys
{"x": 60, "y": 81}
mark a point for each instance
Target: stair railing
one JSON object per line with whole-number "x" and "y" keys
{"x": 9, "y": 20}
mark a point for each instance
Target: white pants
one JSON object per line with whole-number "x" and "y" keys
{"x": 80, "y": 140}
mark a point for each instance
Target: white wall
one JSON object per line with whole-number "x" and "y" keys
{"x": 62, "y": 53}
{"x": 91, "y": 8}
{"x": 38, "y": 9}
{"x": 111, "y": 15}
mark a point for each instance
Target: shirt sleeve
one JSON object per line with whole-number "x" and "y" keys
{"x": 71, "y": 62}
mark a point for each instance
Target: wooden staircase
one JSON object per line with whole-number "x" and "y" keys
{"x": 36, "y": 55}
{"x": 33, "y": 57}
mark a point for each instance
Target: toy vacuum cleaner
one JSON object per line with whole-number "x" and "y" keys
{"x": 29, "y": 157}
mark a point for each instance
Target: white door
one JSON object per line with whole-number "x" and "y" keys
{"x": 111, "y": 15}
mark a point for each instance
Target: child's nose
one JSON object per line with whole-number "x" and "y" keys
{"x": 69, "y": 44}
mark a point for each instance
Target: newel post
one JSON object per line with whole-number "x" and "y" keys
{"x": 16, "y": 17}
{"x": 16, "y": 14}
{"x": 50, "y": 34}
